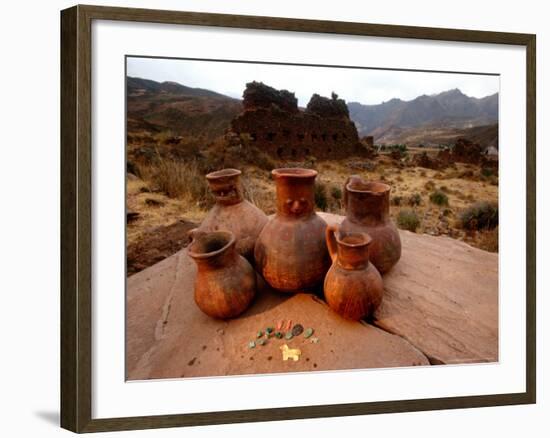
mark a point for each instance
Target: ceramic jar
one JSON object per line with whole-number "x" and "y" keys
{"x": 291, "y": 252}
{"x": 367, "y": 207}
{"x": 226, "y": 283}
{"x": 353, "y": 286}
{"x": 232, "y": 212}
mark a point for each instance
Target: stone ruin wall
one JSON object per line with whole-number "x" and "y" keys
{"x": 274, "y": 123}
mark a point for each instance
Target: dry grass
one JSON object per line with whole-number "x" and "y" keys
{"x": 488, "y": 240}
{"x": 177, "y": 179}
{"x": 166, "y": 212}
{"x": 183, "y": 180}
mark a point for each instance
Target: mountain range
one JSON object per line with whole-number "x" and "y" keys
{"x": 427, "y": 119}
{"x": 450, "y": 109}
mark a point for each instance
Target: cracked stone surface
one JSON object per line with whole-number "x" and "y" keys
{"x": 440, "y": 305}
{"x": 168, "y": 336}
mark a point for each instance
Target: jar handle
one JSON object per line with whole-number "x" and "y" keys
{"x": 332, "y": 245}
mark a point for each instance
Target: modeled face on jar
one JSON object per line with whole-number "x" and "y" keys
{"x": 296, "y": 207}
{"x": 225, "y": 186}
{"x": 225, "y": 192}
{"x": 298, "y": 201}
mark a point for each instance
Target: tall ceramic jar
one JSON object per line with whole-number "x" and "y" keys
{"x": 291, "y": 252}
{"x": 353, "y": 286}
{"x": 367, "y": 206}
{"x": 232, "y": 212}
{"x": 226, "y": 283}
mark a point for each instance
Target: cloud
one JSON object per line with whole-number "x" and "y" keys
{"x": 367, "y": 86}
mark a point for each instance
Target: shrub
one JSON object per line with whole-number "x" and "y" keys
{"x": 439, "y": 198}
{"x": 396, "y": 200}
{"x": 321, "y": 200}
{"x": 336, "y": 193}
{"x": 480, "y": 216}
{"x": 401, "y": 148}
{"x": 415, "y": 199}
{"x": 408, "y": 220}
{"x": 430, "y": 185}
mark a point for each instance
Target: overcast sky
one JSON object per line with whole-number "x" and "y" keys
{"x": 359, "y": 85}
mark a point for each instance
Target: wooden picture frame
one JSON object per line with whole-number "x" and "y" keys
{"x": 76, "y": 222}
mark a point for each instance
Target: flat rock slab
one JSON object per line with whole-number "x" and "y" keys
{"x": 442, "y": 296}
{"x": 168, "y": 336}
{"x": 440, "y": 306}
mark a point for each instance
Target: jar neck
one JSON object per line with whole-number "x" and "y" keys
{"x": 227, "y": 190}
{"x": 295, "y": 197}
{"x": 353, "y": 257}
{"x": 368, "y": 208}
{"x": 218, "y": 261}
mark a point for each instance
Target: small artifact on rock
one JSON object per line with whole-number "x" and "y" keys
{"x": 251, "y": 344}
{"x": 308, "y": 333}
{"x": 278, "y": 335}
{"x": 280, "y": 324}
{"x": 290, "y": 353}
{"x": 259, "y": 334}
{"x": 289, "y": 336}
{"x": 314, "y": 340}
{"x": 289, "y": 324}
{"x": 269, "y": 330}
{"x": 297, "y": 330}
{"x": 262, "y": 342}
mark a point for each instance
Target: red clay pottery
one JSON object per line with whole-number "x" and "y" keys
{"x": 368, "y": 210}
{"x": 226, "y": 283}
{"x": 232, "y": 212}
{"x": 353, "y": 286}
{"x": 291, "y": 252}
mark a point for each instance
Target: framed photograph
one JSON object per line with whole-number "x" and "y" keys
{"x": 270, "y": 218}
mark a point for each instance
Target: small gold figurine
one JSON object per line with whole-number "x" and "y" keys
{"x": 292, "y": 353}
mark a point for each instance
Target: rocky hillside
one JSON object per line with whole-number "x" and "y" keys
{"x": 168, "y": 106}
{"x": 437, "y": 134}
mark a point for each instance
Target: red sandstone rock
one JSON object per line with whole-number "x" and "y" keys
{"x": 441, "y": 298}
{"x": 168, "y": 336}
